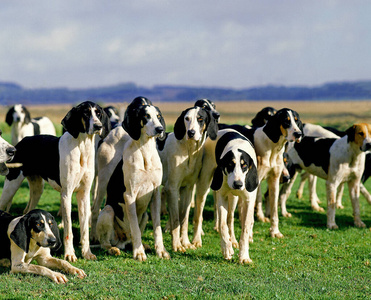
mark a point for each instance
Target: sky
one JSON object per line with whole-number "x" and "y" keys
{"x": 230, "y": 44}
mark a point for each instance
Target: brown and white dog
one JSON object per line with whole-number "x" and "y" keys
{"x": 67, "y": 163}
{"x": 337, "y": 161}
{"x": 31, "y": 237}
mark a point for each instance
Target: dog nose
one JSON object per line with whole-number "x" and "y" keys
{"x": 216, "y": 115}
{"x": 237, "y": 185}
{"x": 10, "y": 151}
{"x": 191, "y": 133}
{"x": 159, "y": 129}
{"x": 285, "y": 179}
{"x": 367, "y": 146}
{"x": 97, "y": 126}
{"x": 298, "y": 134}
{"x": 52, "y": 241}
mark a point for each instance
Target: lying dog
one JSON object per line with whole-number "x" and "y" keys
{"x": 134, "y": 185}
{"x": 337, "y": 161}
{"x": 235, "y": 175}
{"x": 19, "y": 118}
{"x": 67, "y": 163}
{"x": 31, "y": 237}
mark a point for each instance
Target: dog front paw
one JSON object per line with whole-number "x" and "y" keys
{"x": 58, "y": 278}
{"x": 178, "y": 248}
{"x": 245, "y": 260}
{"x": 276, "y": 234}
{"x": 89, "y": 256}
{"x": 332, "y": 226}
{"x": 139, "y": 254}
{"x": 359, "y": 224}
{"x": 114, "y": 251}
{"x": 70, "y": 257}
{"x": 80, "y": 273}
{"x": 163, "y": 254}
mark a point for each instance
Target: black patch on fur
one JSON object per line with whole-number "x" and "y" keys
{"x": 9, "y": 116}
{"x": 263, "y": 116}
{"x": 252, "y": 178}
{"x": 246, "y": 132}
{"x": 313, "y": 150}
{"x": 36, "y": 128}
{"x": 179, "y": 126}
{"x": 39, "y": 155}
{"x": 115, "y": 190}
{"x": 367, "y": 172}
{"x": 161, "y": 142}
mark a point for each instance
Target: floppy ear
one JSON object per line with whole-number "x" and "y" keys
{"x": 105, "y": 122}
{"x": 72, "y": 122}
{"x": 9, "y": 116}
{"x": 27, "y": 118}
{"x": 272, "y": 127}
{"x": 21, "y": 234}
{"x": 179, "y": 127}
{"x": 131, "y": 123}
{"x": 252, "y": 178}
{"x": 350, "y": 132}
{"x": 212, "y": 127}
{"x": 4, "y": 169}
{"x": 217, "y": 182}
{"x": 55, "y": 231}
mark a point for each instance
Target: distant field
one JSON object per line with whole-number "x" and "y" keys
{"x": 340, "y": 114}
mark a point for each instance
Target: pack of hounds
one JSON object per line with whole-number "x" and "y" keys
{"x": 120, "y": 171}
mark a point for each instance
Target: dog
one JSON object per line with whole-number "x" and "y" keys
{"x": 337, "y": 160}
{"x": 113, "y": 115}
{"x": 32, "y": 237}
{"x": 181, "y": 155}
{"x": 135, "y": 184}
{"x": 262, "y": 117}
{"x": 19, "y": 118}
{"x": 236, "y": 174}
{"x": 67, "y": 163}
{"x": 7, "y": 153}
{"x": 210, "y": 106}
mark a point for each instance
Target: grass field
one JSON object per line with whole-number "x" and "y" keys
{"x": 310, "y": 262}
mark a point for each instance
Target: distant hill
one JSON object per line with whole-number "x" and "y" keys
{"x": 11, "y": 93}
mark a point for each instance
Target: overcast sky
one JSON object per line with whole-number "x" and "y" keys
{"x": 237, "y": 44}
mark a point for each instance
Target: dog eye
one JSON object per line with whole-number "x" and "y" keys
{"x": 147, "y": 116}
{"x": 159, "y": 117}
{"x": 98, "y": 113}
{"x": 361, "y": 133}
{"x": 200, "y": 119}
{"x": 186, "y": 118}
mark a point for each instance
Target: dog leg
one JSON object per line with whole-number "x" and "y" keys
{"x": 247, "y": 221}
{"x": 9, "y": 190}
{"x": 36, "y": 184}
{"x": 312, "y": 184}
{"x": 284, "y": 195}
{"x": 273, "y": 185}
{"x": 83, "y": 205}
{"x": 259, "y": 206}
{"x": 225, "y": 241}
{"x": 353, "y": 187}
{"x": 156, "y": 219}
{"x": 331, "y": 205}
{"x": 365, "y": 193}
{"x": 232, "y": 204}
{"x": 184, "y": 208}
{"x": 201, "y": 195}
{"x": 339, "y": 196}
{"x": 303, "y": 179}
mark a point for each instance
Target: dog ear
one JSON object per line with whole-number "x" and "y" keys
{"x": 54, "y": 228}
{"x": 9, "y": 116}
{"x": 72, "y": 122}
{"x": 179, "y": 127}
{"x": 131, "y": 122}
{"x": 105, "y": 122}
{"x": 27, "y": 118}
{"x": 212, "y": 127}
{"x": 350, "y": 132}
{"x": 4, "y": 169}
{"x": 21, "y": 234}
{"x": 217, "y": 182}
{"x": 273, "y": 126}
{"x": 252, "y": 178}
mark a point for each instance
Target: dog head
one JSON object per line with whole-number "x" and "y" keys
{"x": 113, "y": 115}
{"x": 210, "y": 106}
{"x": 360, "y": 134}
{"x": 141, "y": 117}
{"x": 263, "y": 116}
{"x": 193, "y": 123}
{"x": 286, "y": 122}
{"x": 38, "y": 225}
{"x": 87, "y": 117}
{"x": 7, "y": 153}
{"x": 18, "y": 113}
{"x": 236, "y": 159}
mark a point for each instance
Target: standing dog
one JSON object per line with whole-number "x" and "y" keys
{"x": 18, "y": 117}
{"x": 67, "y": 163}
{"x": 134, "y": 184}
{"x": 235, "y": 175}
{"x": 31, "y": 237}
{"x": 337, "y": 161}
{"x": 181, "y": 155}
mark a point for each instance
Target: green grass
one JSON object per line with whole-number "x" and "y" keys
{"x": 310, "y": 262}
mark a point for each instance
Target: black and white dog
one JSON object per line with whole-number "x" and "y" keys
{"x": 113, "y": 115}
{"x": 67, "y": 163}
{"x": 7, "y": 153}
{"x": 31, "y": 237}
{"x": 19, "y": 118}
{"x": 235, "y": 176}
{"x": 181, "y": 155}
{"x": 134, "y": 185}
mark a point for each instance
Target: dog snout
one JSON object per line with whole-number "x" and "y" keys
{"x": 10, "y": 151}
{"x": 367, "y": 147}
{"x": 191, "y": 133}
{"x": 159, "y": 129}
{"x": 97, "y": 126}
{"x": 285, "y": 179}
{"x": 52, "y": 241}
{"x": 298, "y": 134}
{"x": 216, "y": 115}
{"x": 237, "y": 185}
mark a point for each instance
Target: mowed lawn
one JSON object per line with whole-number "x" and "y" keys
{"x": 310, "y": 262}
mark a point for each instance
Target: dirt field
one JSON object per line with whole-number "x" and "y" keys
{"x": 341, "y": 114}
